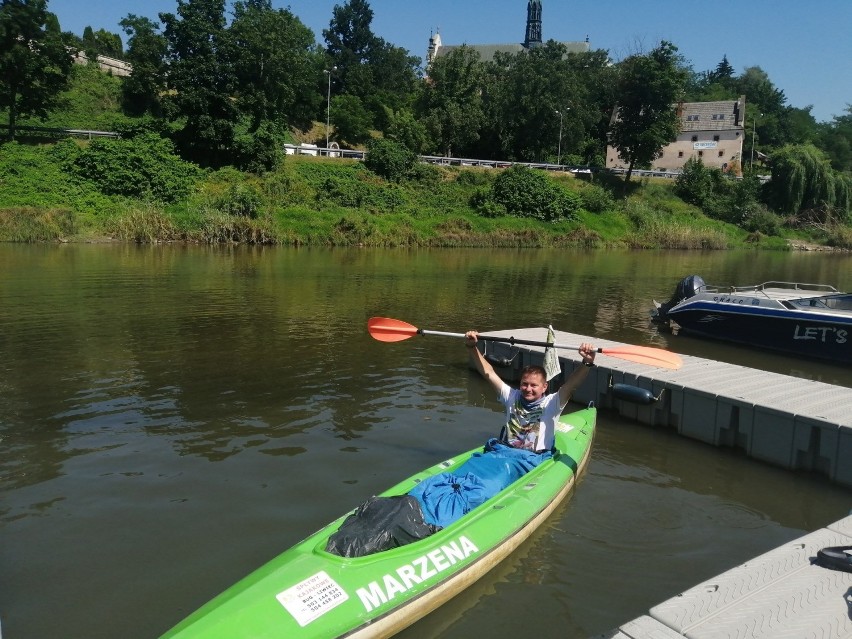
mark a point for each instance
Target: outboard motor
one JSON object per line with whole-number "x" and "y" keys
{"x": 686, "y": 288}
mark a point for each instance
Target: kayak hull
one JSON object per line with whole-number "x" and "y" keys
{"x": 308, "y": 593}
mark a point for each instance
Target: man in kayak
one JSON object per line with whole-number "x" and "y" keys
{"x": 531, "y": 414}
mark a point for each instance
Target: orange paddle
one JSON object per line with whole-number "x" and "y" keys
{"x": 386, "y": 329}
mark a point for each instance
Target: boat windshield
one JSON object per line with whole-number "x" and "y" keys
{"x": 839, "y": 302}
{"x": 832, "y": 302}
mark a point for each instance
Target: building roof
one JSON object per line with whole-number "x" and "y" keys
{"x": 720, "y": 115}
{"x": 488, "y": 51}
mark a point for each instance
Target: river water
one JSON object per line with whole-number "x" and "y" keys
{"x": 173, "y": 417}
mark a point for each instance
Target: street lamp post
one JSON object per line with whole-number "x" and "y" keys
{"x": 753, "y": 130}
{"x": 559, "y": 151}
{"x": 328, "y": 106}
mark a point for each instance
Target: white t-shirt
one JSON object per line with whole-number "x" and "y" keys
{"x": 530, "y": 429}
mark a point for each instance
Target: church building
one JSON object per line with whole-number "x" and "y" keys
{"x": 532, "y": 39}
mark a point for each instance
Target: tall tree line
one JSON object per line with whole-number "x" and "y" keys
{"x": 227, "y": 81}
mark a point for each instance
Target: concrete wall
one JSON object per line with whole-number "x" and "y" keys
{"x": 109, "y": 65}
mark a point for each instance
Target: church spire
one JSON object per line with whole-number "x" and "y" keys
{"x": 533, "y": 36}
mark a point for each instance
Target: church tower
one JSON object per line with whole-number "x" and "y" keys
{"x": 533, "y": 37}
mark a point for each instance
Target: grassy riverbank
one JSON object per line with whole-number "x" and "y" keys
{"x": 333, "y": 202}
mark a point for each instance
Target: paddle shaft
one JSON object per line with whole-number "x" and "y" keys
{"x": 386, "y": 329}
{"x": 505, "y": 340}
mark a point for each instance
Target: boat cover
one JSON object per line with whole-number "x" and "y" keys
{"x": 447, "y": 496}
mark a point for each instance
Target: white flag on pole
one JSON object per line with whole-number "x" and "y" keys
{"x": 551, "y": 360}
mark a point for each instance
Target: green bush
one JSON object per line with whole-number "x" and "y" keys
{"x": 697, "y": 183}
{"x": 389, "y": 159}
{"x": 386, "y": 200}
{"x": 34, "y": 177}
{"x": 470, "y": 177}
{"x": 240, "y": 200}
{"x": 341, "y": 191}
{"x": 259, "y": 151}
{"x": 761, "y": 220}
{"x": 425, "y": 174}
{"x": 144, "y": 167}
{"x": 484, "y": 205}
{"x": 525, "y": 192}
{"x": 596, "y": 199}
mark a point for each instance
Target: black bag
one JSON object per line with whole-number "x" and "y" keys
{"x": 380, "y": 523}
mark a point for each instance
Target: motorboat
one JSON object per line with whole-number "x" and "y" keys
{"x": 810, "y": 320}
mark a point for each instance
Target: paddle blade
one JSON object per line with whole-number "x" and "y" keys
{"x": 645, "y": 355}
{"x": 386, "y": 329}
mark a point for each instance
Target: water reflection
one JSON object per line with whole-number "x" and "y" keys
{"x": 165, "y": 405}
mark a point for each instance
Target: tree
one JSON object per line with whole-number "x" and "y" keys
{"x": 34, "y": 64}
{"x": 381, "y": 75}
{"x": 594, "y": 88}
{"x": 804, "y": 186}
{"x": 404, "y": 127}
{"x": 724, "y": 72}
{"x": 351, "y": 120}
{"x": 349, "y": 42}
{"x": 275, "y": 65}
{"x": 200, "y": 81}
{"x": 101, "y": 42}
{"x": 711, "y": 86}
{"x": 798, "y": 126}
{"x": 646, "y": 120}
{"x": 395, "y": 80}
{"x": 759, "y": 90}
{"x": 696, "y": 183}
{"x": 146, "y": 52}
{"x": 144, "y": 167}
{"x": 835, "y": 138}
{"x": 451, "y": 104}
{"x": 528, "y": 92}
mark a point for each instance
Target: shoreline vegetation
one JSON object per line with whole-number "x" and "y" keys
{"x": 198, "y": 151}
{"x": 102, "y": 191}
{"x": 142, "y": 187}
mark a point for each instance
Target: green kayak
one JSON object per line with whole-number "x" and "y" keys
{"x": 307, "y": 592}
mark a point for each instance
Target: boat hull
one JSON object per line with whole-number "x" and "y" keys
{"x": 788, "y": 331}
{"x": 308, "y": 593}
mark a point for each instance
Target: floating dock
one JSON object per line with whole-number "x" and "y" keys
{"x": 794, "y": 423}
{"x": 782, "y": 594}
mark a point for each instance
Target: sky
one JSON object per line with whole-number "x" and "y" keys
{"x": 804, "y": 46}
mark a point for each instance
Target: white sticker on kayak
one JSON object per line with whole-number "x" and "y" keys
{"x": 312, "y": 598}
